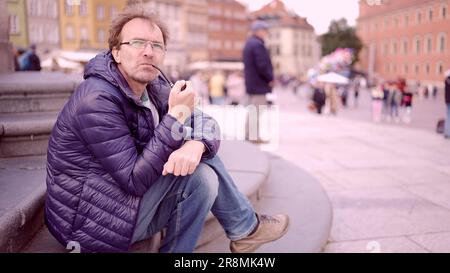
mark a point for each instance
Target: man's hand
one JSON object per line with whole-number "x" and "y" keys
{"x": 185, "y": 160}
{"x": 181, "y": 103}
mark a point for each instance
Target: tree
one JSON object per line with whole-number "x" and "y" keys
{"x": 340, "y": 35}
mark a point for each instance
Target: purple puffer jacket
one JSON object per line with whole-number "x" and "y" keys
{"x": 104, "y": 154}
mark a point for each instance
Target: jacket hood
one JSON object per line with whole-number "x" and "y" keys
{"x": 104, "y": 67}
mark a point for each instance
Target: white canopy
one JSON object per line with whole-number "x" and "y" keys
{"x": 216, "y": 65}
{"x": 78, "y": 56}
{"x": 332, "y": 77}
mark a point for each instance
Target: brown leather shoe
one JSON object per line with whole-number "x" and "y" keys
{"x": 259, "y": 141}
{"x": 270, "y": 228}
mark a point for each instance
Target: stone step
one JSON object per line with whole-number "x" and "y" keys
{"x": 22, "y": 191}
{"x": 25, "y": 134}
{"x": 43, "y": 241}
{"x": 21, "y": 226}
{"x": 23, "y": 92}
{"x": 290, "y": 190}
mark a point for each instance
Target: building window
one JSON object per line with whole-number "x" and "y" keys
{"x": 53, "y": 35}
{"x": 277, "y": 50}
{"x": 36, "y": 34}
{"x": 100, "y": 35}
{"x": 227, "y": 45}
{"x": 14, "y": 24}
{"x": 405, "y": 46}
{"x": 70, "y": 33}
{"x": 386, "y": 48}
{"x": 419, "y": 17}
{"x": 429, "y": 44}
{"x": 417, "y": 69}
{"x": 417, "y": 45}
{"x": 68, "y": 8}
{"x": 394, "y": 47}
{"x": 441, "y": 43}
{"x": 427, "y": 69}
{"x": 32, "y": 7}
{"x": 238, "y": 46}
{"x": 444, "y": 12}
{"x": 83, "y": 8}
{"x": 405, "y": 69}
{"x": 406, "y": 20}
{"x": 215, "y": 44}
{"x": 84, "y": 34}
{"x": 430, "y": 14}
{"x": 53, "y": 11}
{"x": 439, "y": 69}
{"x": 100, "y": 12}
{"x": 114, "y": 12}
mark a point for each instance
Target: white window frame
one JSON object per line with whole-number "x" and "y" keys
{"x": 405, "y": 50}
{"x": 14, "y": 24}
{"x": 417, "y": 50}
{"x": 427, "y": 49}
{"x": 439, "y": 65}
{"x": 438, "y": 43}
{"x": 100, "y": 12}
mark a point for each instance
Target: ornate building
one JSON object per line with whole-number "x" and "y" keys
{"x": 408, "y": 38}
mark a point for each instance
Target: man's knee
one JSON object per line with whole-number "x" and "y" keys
{"x": 205, "y": 179}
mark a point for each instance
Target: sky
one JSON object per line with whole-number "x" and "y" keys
{"x": 318, "y": 12}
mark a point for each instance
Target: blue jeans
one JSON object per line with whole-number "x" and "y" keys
{"x": 182, "y": 203}
{"x": 447, "y": 122}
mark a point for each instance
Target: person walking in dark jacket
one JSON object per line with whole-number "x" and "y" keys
{"x": 126, "y": 158}
{"x": 447, "y": 102}
{"x": 319, "y": 98}
{"x": 259, "y": 79}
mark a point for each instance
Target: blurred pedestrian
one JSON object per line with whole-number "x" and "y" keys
{"x": 394, "y": 100}
{"x": 217, "y": 88}
{"x": 332, "y": 97}
{"x": 356, "y": 87}
{"x": 258, "y": 72}
{"x": 30, "y": 61}
{"x": 426, "y": 91}
{"x": 434, "y": 91}
{"x": 236, "y": 87}
{"x": 17, "y": 52}
{"x": 343, "y": 93}
{"x": 447, "y": 102}
{"x": 319, "y": 98}
{"x": 377, "y": 102}
{"x": 406, "y": 101}
{"x": 200, "y": 85}
{"x": 386, "y": 105}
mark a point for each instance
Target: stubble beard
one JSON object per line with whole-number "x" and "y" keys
{"x": 144, "y": 77}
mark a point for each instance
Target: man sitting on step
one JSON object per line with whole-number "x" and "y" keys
{"x": 122, "y": 164}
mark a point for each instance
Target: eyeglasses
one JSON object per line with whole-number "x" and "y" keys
{"x": 141, "y": 44}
